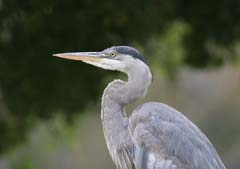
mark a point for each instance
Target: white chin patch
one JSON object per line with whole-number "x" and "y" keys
{"x": 108, "y": 64}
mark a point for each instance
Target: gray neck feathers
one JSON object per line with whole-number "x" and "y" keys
{"x": 120, "y": 93}
{"x": 116, "y": 96}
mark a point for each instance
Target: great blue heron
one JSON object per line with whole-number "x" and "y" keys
{"x": 155, "y": 136}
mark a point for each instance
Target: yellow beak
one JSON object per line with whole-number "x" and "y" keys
{"x": 82, "y": 56}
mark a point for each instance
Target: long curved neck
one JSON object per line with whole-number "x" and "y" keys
{"x": 116, "y": 96}
{"x": 120, "y": 93}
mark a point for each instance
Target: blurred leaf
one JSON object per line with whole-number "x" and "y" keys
{"x": 167, "y": 52}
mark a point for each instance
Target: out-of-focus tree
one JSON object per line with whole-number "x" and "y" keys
{"x": 35, "y": 85}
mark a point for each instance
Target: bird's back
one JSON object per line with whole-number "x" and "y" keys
{"x": 167, "y": 139}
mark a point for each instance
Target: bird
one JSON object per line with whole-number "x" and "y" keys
{"x": 155, "y": 135}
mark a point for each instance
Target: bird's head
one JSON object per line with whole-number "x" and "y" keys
{"x": 120, "y": 58}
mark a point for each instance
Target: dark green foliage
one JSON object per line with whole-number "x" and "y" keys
{"x": 215, "y": 21}
{"x": 36, "y": 85}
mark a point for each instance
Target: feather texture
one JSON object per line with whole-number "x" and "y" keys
{"x": 171, "y": 139}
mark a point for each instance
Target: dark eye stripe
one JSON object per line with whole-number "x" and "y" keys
{"x": 127, "y": 50}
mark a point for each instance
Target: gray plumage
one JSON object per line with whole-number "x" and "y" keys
{"x": 127, "y": 50}
{"x": 155, "y": 136}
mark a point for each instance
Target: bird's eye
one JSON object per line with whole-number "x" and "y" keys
{"x": 113, "y": 54}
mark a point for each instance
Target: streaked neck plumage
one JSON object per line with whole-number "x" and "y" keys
{"x": 116, "y": 96}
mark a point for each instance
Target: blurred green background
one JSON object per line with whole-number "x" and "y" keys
{"x": 50, "y": 107}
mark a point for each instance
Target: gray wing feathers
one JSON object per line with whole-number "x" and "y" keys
{"x": 140, "y": 157}
{"x": 124, "y": 161}
{"x": 145, "y": 160}
{"x": 171, "y": 138}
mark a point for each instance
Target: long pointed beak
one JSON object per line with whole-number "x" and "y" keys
{"x": 82, "y": 56}
{"x": 98, "y": 59}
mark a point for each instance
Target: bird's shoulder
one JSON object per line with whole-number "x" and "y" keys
{"x": 168, "y": 134}
{"x": 156, "y": 110}
{"x": 155, "y": 114}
